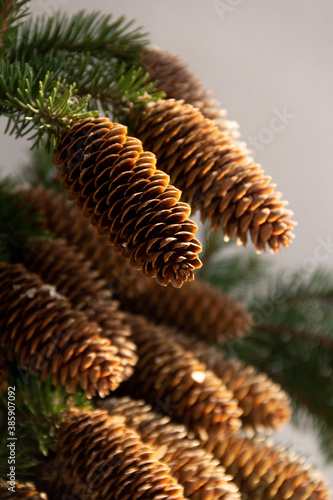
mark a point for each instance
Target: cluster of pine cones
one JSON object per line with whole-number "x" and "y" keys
{"x": 84, "y": 310}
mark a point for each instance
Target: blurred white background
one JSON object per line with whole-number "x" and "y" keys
{"x": 261, "y": 59}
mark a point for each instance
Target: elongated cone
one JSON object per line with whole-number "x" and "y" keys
{"x": 42, "y": 332}
{"x": 265, "y": 472}
{"x": 265, "y": 405}
{"x": 215, "y": 174}
{"x": 174, "y": 78}
{"x": 22, "y": 491}
{"x": 197, "y": 308}
{"x": 116, "y": 185}
{"x": 170, "y": 377}
{"x": 195, "y": 469}
{"x": 4, "y": 373}
{"x": 98, "y": 457}
{"x": 64, "y": 267}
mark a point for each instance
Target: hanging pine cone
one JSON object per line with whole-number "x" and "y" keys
{"x": 265, "y": 405}
{"x": 194, "y": 468}
{"x": 98, "y": 457}
{"x": 116, "y": 185}
{"x": 41, "y": 330}
{"x": 174, "y": 78}
{"x": 60, "y": 265}
{"x": 196, "y": 308}
{"x": 22, "y": 491}
{"x": 264, "y": 472}
{"x": 168, "y": 376}
{"x": 215, "y": 174}
{"x": 4, "y": 373}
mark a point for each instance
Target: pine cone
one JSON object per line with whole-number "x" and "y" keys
{"x": 264, "y": 472}
{"x": 215, "y": 174}
{"x": 196, "y": 308}
{"x": 265, "y": 405}
{"x": 4, "y": 373}
{"x": 98, "y": 457}
{"x": 174, "y": 78}
{"x": 22, "y": 491}
{"x": 195, "y": 469}
{"x": 64, "y": 220}
{"x": 60, "y": 265}
{"x": 172, "y": 378}
{"x": 41, "y": 330}
{"x": 115, "y": 183}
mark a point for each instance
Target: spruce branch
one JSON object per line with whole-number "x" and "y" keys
{"x": 39, "y": 108}
{"x": 11, "y": 12}
{"x": 94, "y": 32}
{"x": 39, "y": 409}
{"x": 300, "y": 365}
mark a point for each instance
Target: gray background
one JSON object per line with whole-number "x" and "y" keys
{"x": 259, "y": 58}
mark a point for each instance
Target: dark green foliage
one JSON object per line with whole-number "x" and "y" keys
{"x": 94, "y": 32}
{"x": 292, "y": 341}
{"x": 58, "y": 70}
{"x": 11, "y": 16}
{"x": 39, "y": 408}
{"x": 18, "y": 227}
{"x": 38, "y": 106}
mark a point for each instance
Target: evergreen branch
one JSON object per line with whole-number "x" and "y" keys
{"x": 41, "y": 109}
{"x": 299, "y": 363}
{"x": 296, "y": 286}
{"x": 39, "y": 409}
{"x": 113, "y": 86}
{"x": 11, "y": 12}
{"x": 305, "y": 335}
{"x": 93, "y": 32}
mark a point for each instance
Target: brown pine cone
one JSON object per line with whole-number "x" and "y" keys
{"x": 116, "y": 185}
{"x": 4, "y": 373}
{"x": 62, "y": 266}
{"x": 264, "y": 472}
{"x": 171, "y": 378}
{"x": 41, "y": 330}
{"x": 197, "y": 308}
{"x": 98, "y": 457}
{"x": 265, "y": 405}
{"x": 22, "y": 491}
{"x": 174, "y": 78}
{"x": 137, "y": 293}
{"x": 215, "y": 174}
{"x": 194, "y": 468}
{"x": 64, "y": 220}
